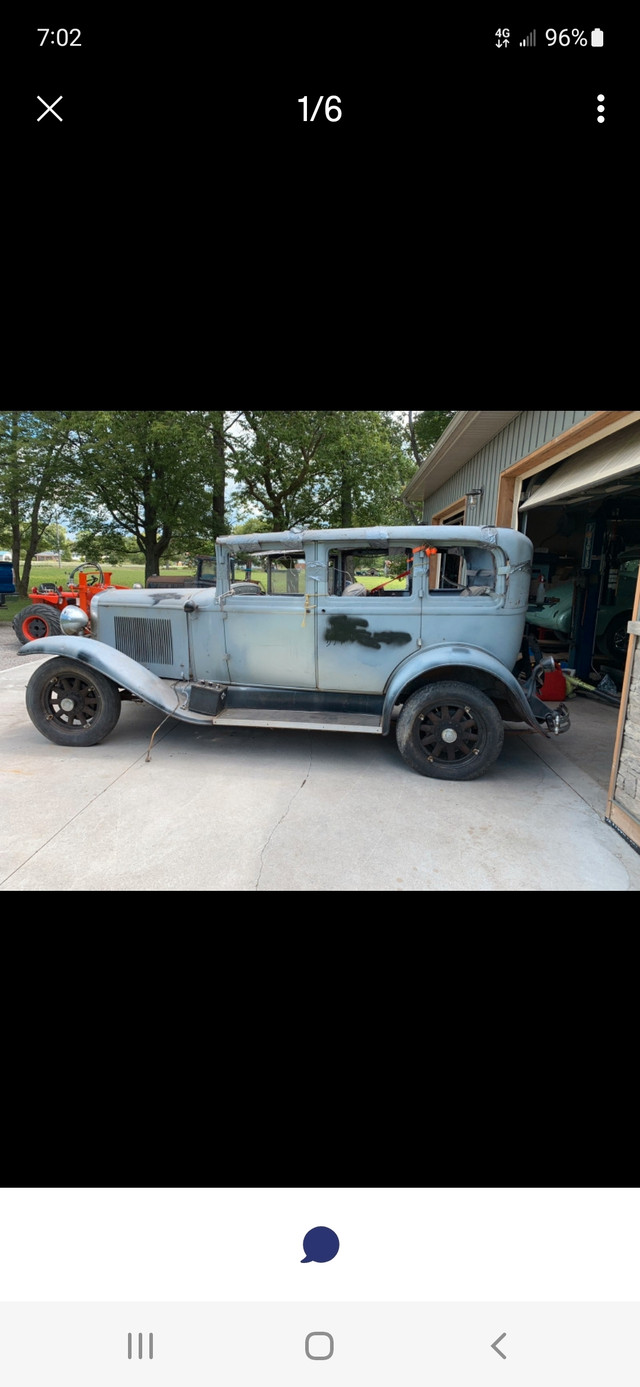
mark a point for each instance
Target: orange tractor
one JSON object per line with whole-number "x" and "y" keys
{"x": 42, "y": 616}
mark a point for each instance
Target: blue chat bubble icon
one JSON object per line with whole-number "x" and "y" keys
{"x": 320, "y": 1245}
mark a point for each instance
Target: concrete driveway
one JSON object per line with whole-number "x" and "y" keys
{"x": 229, "y": 809}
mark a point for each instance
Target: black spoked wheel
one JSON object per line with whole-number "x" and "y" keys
{"x": 72, "y": 705}
{"x": 617, "y": 637}
{"x": 450, "y": 731}
{"x": 35, "y": 622}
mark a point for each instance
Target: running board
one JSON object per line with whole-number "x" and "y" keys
{"x": 302, "y": 720}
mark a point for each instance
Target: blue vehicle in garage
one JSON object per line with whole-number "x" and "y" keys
{"x": 7, "y": 580}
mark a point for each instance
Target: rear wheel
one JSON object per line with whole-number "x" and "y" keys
{"x": 35, "y": 622}
{"x": 450, "y": 731}
{"x": 616, "y": 636}
{"x": 72, "y": 705}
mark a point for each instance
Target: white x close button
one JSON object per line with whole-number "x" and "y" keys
{"x": 49, "y": 108}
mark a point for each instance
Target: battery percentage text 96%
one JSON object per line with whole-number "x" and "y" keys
{"x": 332, "y": 108}
{"x": 564, "y": 38}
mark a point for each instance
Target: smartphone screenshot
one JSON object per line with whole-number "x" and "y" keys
{"x": 309, "y": 1286}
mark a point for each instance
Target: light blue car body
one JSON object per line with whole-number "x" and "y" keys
{"x": 316, "y": 650}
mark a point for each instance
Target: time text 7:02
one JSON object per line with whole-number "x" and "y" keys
{"x": 61, "y": 37}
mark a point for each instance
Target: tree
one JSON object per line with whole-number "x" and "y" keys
{"x": 96, "y": 546}
{"x": 255, "y": 525}
{"x": 156, "y": 475}
{"x": 54, "y": 540}
{"x": 37, "y": 477}
{"x": 305, "y": 468}
{"x": 366, "y": 472}
{"x": 92, "y": 545}
{"x": 425, "y": 430}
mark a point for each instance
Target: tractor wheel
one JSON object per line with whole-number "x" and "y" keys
{"x": 449, "y": 731}
{"x": 35, "y": 622}
{"x": 71, "y": 704}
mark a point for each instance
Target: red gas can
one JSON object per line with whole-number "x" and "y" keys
{"x": 554, "y": 686}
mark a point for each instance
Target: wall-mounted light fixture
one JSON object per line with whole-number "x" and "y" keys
{"x": 473, "y": 497}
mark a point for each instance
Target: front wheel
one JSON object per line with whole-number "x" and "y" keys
{"x": 71, "y": 704}
{"x": 450, "y": 731}
{"x": 35, "y": 622}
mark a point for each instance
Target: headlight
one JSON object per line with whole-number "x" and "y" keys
{"x": 73, "y": 621}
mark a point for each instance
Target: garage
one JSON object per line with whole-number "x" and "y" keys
{"x": 571, "y": 482}
{"x": 583, "y": 517}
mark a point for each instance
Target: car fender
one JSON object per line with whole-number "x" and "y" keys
{"x": 127, "y": 673}
{"x": 450, "y": 662}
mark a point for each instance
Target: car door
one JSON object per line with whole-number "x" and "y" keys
{"x": 269, "y": 639}
{"x": 362, "y": 638}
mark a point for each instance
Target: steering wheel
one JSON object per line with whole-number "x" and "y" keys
{"x": 93, "y": 568}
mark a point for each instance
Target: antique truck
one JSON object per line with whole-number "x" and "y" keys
{"x": 411, "y": 627}
{"x": 205, "y": 576}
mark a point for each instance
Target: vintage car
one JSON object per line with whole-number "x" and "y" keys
{"x": 431, "y": 649}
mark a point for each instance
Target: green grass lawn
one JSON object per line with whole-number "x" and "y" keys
{"x": 396, "y": 584}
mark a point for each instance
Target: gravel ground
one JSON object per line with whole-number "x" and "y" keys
{"x": 10, "y": 647}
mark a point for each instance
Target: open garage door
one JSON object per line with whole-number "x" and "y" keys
{"x": 607, "y": 467}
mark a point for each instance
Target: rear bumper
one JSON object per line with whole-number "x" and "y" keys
{"x": 558, "y": 719}
{"x": 551, "y": 721}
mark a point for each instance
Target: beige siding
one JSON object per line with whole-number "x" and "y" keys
{"x": 517, "y": 440}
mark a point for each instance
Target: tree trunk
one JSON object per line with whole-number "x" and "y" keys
{"x": 14, "y": 507}
{"x": 153, "y": 552}
{"x": 414, "y": 442}
{"x": 218, "y": 478}
{"x": 346, "y": 504}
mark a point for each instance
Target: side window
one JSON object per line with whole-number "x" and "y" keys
{"x": 369, "y": 573}
{"x": 286, "y": 577}
{"x": 278, "y": 573}
{"x": 629, "y": 571}
{"x": 208, "y": 571}
{"x": 463, "y": 570}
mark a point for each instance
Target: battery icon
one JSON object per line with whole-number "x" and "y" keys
{"x": 597, "y": 38}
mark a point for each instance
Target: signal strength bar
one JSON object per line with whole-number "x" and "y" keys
{"x": 530, "y": 41}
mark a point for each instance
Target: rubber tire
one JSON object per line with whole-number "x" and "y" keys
{"x": 619, "y": 624}
{"x": 42, "y": 611}
{"x": 489, "y": 730}
{"x": 51, "y": 721}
